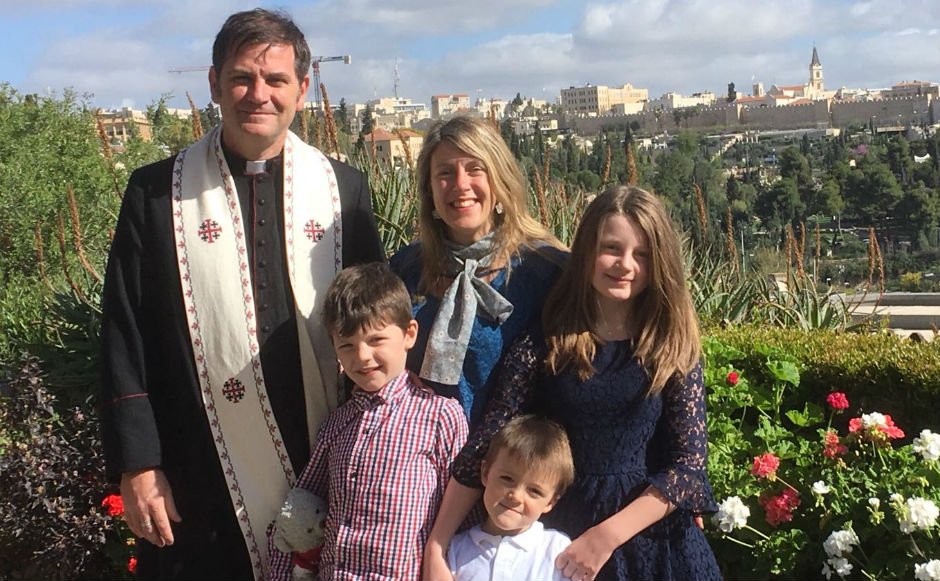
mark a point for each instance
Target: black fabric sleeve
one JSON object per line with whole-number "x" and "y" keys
{"x": 361, "y": 241}
{"x": 129, "y": 431}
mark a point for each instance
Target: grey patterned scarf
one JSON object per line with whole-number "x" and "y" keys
{"x": 450, "y": 333}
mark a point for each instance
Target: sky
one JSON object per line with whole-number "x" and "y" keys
{"x": 119, "y": 52}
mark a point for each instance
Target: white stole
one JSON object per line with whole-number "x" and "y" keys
{"x": 219, "y": 301}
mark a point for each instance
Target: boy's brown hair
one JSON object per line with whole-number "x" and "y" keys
{"x": 535, "y": 440}
{"x": 366, "y": 295}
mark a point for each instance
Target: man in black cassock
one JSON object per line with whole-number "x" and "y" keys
{"x": 216, "y": 371}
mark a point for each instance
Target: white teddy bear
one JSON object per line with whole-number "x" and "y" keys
{"x": 300, "y": 530}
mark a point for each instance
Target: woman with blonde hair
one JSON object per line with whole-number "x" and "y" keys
{"x": 479, "y": 272}
{"x": 616, "y": 363}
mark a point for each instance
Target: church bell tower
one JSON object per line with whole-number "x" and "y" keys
{"x": 815, "y": 73}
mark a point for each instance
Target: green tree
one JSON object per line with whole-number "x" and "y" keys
{"x": 918, "y": 215}
{"x": 47, "y": 146}
{"x": 872, "y": 193}
{"x": 367, "y": 121}
{"x": 780, "y": 205}
{"x": 900, "y": 159}
{"x": 342, "y": 116}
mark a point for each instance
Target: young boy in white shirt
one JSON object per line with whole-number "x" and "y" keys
{"x": 526, "y": 470}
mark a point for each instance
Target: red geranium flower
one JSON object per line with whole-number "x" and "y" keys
{"x": 132, "y": 565}
{"x": 765, "y": 466}
{"x": 875, "y": 426}
{"x": 837, "y": 400}
{"x": 779, "y": 508}
{"x": 114, "y": 504}
{"x": 832, "y": 447}
{"x": 732, "y": 378}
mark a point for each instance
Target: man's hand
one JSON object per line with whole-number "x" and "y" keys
{"x": 148, "y": 505}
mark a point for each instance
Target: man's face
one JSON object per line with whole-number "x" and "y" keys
{"x": 258, "y": 92}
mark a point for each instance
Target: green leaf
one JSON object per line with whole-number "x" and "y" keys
{"x": 784, "y": 371}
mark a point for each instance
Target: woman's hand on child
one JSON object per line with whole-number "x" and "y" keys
{"x": 434, "y": 566}
{"x": 585, "y": 556}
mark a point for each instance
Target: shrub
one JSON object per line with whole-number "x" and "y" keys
{"x": 882, "y": 371}
{"x": 804, "y": 491}
{"x": 52, "y": 523}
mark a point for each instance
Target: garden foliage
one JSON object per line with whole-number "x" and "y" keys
{"x": 811, "y": 484}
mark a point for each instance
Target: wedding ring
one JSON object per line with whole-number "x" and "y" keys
{"x": 147, "y": 524}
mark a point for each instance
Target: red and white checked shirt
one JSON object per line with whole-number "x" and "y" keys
{"x": 382, "y": 462}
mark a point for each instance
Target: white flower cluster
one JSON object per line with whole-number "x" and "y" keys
{"x": 732, "y": 513}
{"x": 873, "y": 420}
{"x": 820, "y": 488}
{"x": 928, "y": 445}
{"x": 929, "y": 571}
{"x": 837, "y": 546}
{"x": 918, "y": 513}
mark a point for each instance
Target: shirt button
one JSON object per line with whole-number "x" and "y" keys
{"x": 262, "y": 242}
{"x": 266, "y": 329}
{"x": 261, "y": 202}
{"x": 262, "y": 285}
{"x": 261, "y": 222}
{"x": 262, "y": 263}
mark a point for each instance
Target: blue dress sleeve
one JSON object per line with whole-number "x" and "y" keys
{"x": 681, "y": 442}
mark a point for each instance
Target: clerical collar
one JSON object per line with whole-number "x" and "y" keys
{"x": 241, "y": 166}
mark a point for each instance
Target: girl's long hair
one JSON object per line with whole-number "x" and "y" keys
{"x": 667, "y": 340}
{"x": 515, "y": 228}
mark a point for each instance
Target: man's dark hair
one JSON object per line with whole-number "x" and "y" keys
{"x": 260, "y": 26}
{"x": 363, "y": 296}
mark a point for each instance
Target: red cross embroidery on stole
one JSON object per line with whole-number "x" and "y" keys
{"x": 233, "y": 390}
{"x": 314, "y": 231}
{"x": 210, "y": 231}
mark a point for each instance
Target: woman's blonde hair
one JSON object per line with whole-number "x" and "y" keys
{"x": 515, "y": 228}
{"x": 667, "y": 341}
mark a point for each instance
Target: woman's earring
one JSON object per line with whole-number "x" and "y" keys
{"x": 499, "y": 208}
{"x": 435, "y": 214}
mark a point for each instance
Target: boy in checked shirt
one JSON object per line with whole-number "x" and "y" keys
{"x": 382, "y": 459}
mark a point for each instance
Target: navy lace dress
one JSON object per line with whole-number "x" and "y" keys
{"x": 622, "y": 442}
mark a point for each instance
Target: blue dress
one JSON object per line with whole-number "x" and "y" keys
{"x": 622, "y": 442}
{"x": 532, "y": 274}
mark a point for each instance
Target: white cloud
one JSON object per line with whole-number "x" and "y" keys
{"x": 495, "y": 48}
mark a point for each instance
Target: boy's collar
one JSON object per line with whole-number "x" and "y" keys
{"x": 527, "y": 540}
{"x": 391, "y": 392}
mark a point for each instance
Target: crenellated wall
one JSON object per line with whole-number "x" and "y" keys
{"x": 817, "y": 114}
{"x": 808, "y": 115}
{"x": 884, "y": 112}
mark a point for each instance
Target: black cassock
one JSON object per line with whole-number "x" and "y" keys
{"x": 151, "y": 408}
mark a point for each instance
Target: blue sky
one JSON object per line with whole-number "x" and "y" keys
{"x": 120, "y": 51}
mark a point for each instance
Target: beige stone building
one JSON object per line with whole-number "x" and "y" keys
{"x": 120, "y": 124}
{"x": 444, "y": 105}
{"x": 391, "y": 148}
{"x": 599, "y": 99}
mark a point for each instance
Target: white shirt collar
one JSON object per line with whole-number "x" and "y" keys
{"x": 527, "y": 540}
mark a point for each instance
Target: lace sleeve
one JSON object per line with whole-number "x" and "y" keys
{"x": 680, "y": 446}
{"x": 512, "y": 395}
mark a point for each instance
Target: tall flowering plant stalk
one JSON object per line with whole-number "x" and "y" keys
{"x": 810, "y": 487}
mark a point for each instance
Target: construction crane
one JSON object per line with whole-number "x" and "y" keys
{"x": 318, "y": 94}
{"x": 189, "y": 69}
